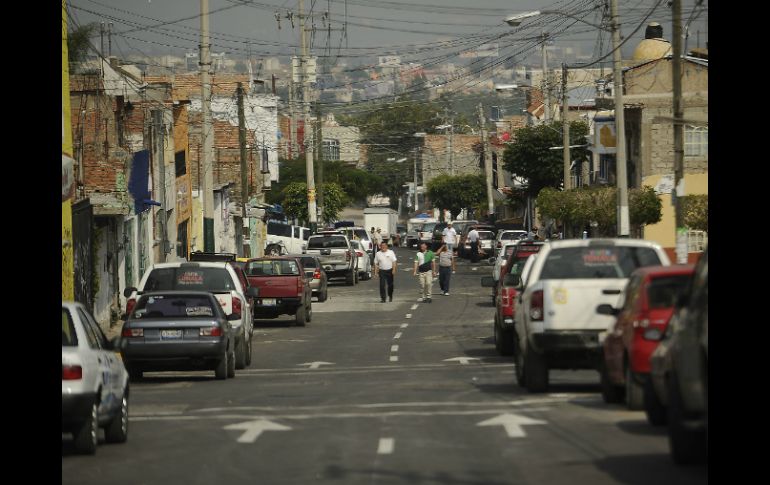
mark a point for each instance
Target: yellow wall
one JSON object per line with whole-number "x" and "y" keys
{"x": 664, "y": 232}
{"x": 67, "y": 256}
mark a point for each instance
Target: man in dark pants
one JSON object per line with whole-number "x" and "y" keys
{"x": 473, "y": 237}
{"x": 385, "y": 267}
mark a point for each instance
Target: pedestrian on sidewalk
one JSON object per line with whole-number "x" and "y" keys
{"x": 385, "y": 267}
{"x": 376, "y": 240}
{"x": 473, "y": 237}
{"x": 446, "y": 266}
{"x": 425, "y": 265}
{"x": 450, "y": 236}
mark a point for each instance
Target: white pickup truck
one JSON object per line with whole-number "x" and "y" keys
{"x": 556, "y": 318}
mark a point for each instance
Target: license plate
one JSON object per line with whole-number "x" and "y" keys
{"x": 268, "y": 302}
{"x": 169, "y": 334}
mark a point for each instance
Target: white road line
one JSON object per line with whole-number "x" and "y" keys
{"x": 394, "y": 348}
{"x": 398, "y": 335}
{"x": 394, "y": 358}
{"x": 408, "y": 315}
{"x": 404, "y": 325}
{"x": 414, "y": 307}
{"x": 386, "y": 446}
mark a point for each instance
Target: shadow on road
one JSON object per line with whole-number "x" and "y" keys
{"x": 657, "y": 468}
{"x": 470, "y": 477}
{"x": 485, "y": 304}
{"x": 642, "y": 427}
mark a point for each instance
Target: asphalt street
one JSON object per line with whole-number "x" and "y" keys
{"x": 380, "y": 393}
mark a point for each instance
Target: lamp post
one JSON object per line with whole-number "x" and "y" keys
{"x": 623, "y": 218}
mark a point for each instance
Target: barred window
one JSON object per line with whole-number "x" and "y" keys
{"x": 696, "y": 241}
{"x": 696, "y": 141}
{"x": 331, "y": 150}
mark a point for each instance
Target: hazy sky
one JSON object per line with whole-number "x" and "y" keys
{"x": 375, "y": 27}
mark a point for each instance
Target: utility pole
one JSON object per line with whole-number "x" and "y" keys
{"x": 565, "y": 127}
{"x": 319, "y": 150}
{"x": 311, "y": 203}
{"x": 244, "y": 164}
{"x": 292, "y": 120}
{"x": 546, "y": 85}
{"x": 415, "y": 181}
{"x": 109, "y": 39}
{"x": 448, "y": 134}
{"x": 101, "y": 39}
{"x": 676, "y": 75}
{"x": 207, "y": 133}
{"x": 487, "y": 165}
{"x": 620, "y": 127}
{"x": 158, "y": 132}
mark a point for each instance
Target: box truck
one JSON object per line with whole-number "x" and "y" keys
{"x": 383, "y": 218}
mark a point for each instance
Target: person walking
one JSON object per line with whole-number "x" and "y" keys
{"x": 385, "y": 267}
{"x": 473, "y": 237}
{"x": 446, "y": 266}
{"x": 450, "y": 237}
{"x": 376, "y": 240}
{"x": 425, "y": 265}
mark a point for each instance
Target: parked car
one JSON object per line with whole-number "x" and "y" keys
{"x": 426, "y": 233}
{"x": 227, "y": 282}
{"x": 556, "y": 318}
{"x": 364, "y": 264}
{"x": 641, "y": 322}
{"x": 284, "y": 288}
{"x": 486, "y": 243}
{"x": 464, "y": 246}
{"x": 413, "y": 236}
{"x": 314, "y": 269}
{"x": 508, "y": 235}
{"x": 363, "y": 236}
{"x": 336, "y": 254}
{"x": 179, "y": 330}
{"x": 679, "y": 371}
{"x": 94, "y": 381}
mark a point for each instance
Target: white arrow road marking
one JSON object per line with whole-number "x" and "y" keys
{"x": 414, "y": 307}
{"x": 316, "y": 365}
{"x": 394, "y": 358}
{"x": 404, "y": 325}
{"x": 386, "y": 446}
{"x": 394, "y": 348}
{"x": 252, "y": 429}
{"x": 462, "y": 360}
{"x": 408, "y": 315}
{"x": 398, "y": 335}
{"x": 512, "y": 424}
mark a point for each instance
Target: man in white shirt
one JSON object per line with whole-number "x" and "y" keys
{"x": 473, "y": 238}
{"x": 385, "y": 267}
{"x": 450, "y": 237}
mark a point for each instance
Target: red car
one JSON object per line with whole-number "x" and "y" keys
{"x": 649, "y": 303}
{"x": 284, "y": 289}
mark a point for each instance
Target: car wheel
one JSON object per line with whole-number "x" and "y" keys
{"x": 299, "y": 317}
{"x": 634, "y": 391}
{"x": 535, "y": 371}
{"x": 309, "y": 312}
{"x": 653, "y": 408}
{"x": 350, "y": 278}
{"x": 231, "y": 363}
{"x": 323, "y": 296}
{"x": 240, "y": 353}
{"x": 521, "y": 377}
{"x": 86, "y": 435}
{"x": 248, "y": 351}
{"x": 117, "y": 430}
{"x": 687, "y": 445}
{"x": 369, "y": 274}
{"x": 221, "y": 370}
{"x": 503, "y": 340}
{"x": 355, "y": 277}
{"x": 134, "y": 374}
{"x": 610, "y": 392}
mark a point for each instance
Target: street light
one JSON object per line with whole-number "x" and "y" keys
{"x": 620, "y": 141}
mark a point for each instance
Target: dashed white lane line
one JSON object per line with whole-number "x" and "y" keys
{"x": 394, "y": 358}
{"x": 414, "y": 307}
{"x": 394, "y": 348}
{"x": 398, "y": 335}
{"x": 408, "y": 315}
{"x": 404, "y": 325}
{"x": 386, "y": 446}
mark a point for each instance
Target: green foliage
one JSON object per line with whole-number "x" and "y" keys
{"x": 295, "y": 201}
{"x": 529, "y": 156}
{"x": 78, "y": 42}
{"x": 455, "y": 193}
{"x": 695, "y": 209}
{"x": 577, "y": 208}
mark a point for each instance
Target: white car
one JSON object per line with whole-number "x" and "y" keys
{"x": 364, "y": 265}
{"x": 505, "y": 236}
{"x": 501, "y": 258}
{"x": 94, "y": 381}
{"x": 228, "y": 285}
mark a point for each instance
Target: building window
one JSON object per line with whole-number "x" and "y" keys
{"x": 696, "y": 141}
{"x": 696, "y": 241}
{"x": 331, "y": 149}
{"x": 180, "y": 163}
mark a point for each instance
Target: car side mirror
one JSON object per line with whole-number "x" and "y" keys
{"x": 253, "y": 292}
{"x": 511, "y": 280}
{"x": 607, "y": 309}
{"x": 129, "y": 291}
{"x": 488, "y": 282}
{"x": 233, "y": 316}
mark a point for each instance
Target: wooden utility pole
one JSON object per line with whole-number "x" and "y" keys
{"x": 620, "y": 127}
{"x": 244, "y": 163}
{"x": 676, "y": 76}
{"x": 487, "y": 165}
{"x": 319, "y": 150}
{"x": 311, "y": 194}
{"x": 207, "y": 190}
{"x": 565, "y": 127}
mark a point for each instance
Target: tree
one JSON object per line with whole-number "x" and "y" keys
{"x": 295, "y": 201}
{"x": 530, "y": 156}
{"x": 696, "y": 211}
{"x": 79, "y": 42}
{"x": 456, "y": 193}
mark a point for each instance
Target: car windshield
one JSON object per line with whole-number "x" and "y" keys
{"x": 309, "y": 263}
{"x": 174, "y": 306}
{"x": 513, "y": 235}
{"x": 272, "y": 267}
{"x": 68, "y": 336}
{"x": 597, "y": 262}
{"x": 428, "y": 226}
{"x": 326, "y": 242}
{"x": 189, "y": 278}
{"x": 486, "y": 235}
{"x": 664, "y": 290}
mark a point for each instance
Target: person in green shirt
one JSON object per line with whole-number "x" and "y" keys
{"x": 425, "y": 270}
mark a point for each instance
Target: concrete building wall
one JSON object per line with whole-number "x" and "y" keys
{"x": 434, "y": 156}
{"x": 664, "y": 232}
{"x": 348, "y": 137}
